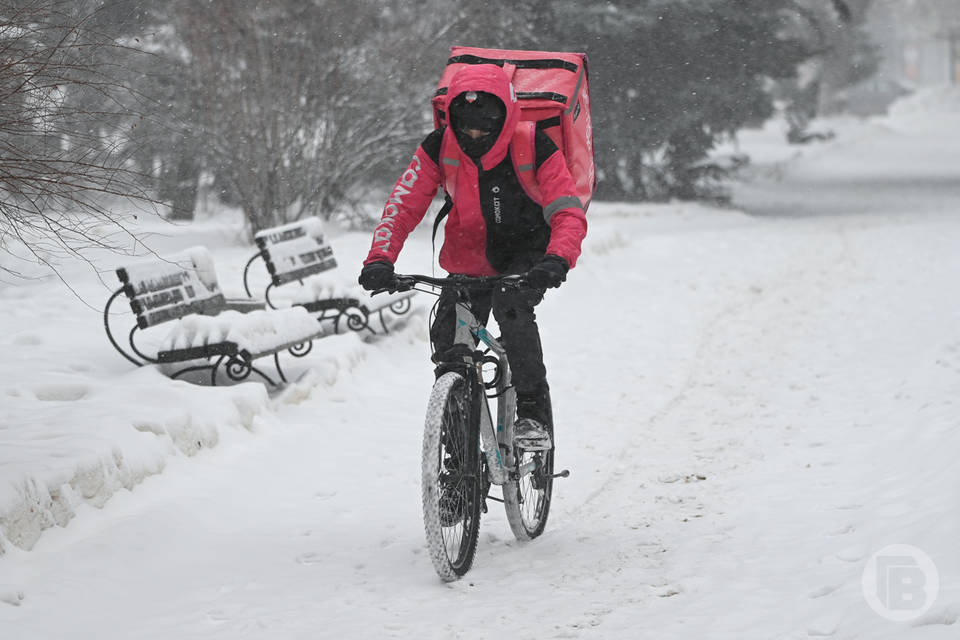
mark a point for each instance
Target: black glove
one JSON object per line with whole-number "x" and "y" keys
{"x": 548, "y": 273}
{"x": 376, "y": 275}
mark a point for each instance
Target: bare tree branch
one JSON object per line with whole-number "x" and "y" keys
{"x": 63, "y": 158}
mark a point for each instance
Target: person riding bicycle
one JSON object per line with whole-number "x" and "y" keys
{"x": 493, "y": 227}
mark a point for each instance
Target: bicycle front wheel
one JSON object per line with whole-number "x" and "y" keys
{"x": 451, "y": 476}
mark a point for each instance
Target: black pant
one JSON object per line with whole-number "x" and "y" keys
{"x": 513, "y": 310}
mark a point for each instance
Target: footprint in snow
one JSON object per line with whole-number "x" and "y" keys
{"x": 387, "y": 542}
{"x": 823, "y": 591}
{"x": 822, "y": 628}
{"x": 28, "y": 340}
{"x": 853, "y": 553}
{"x": 692, "y": 477}
{"x": 848, "y": 507}
{"x": 60, "y": 392}
{"x": 842, "y": 531}
{"x": 946, "y": 615}
{"x": 11, "y": 596}
{"x": 668, "y": 591}
{"x": 309, "y": 558}
{"x": 217, "y": 616}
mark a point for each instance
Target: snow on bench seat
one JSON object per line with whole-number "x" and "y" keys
{"x": 257, "y": 332}
{"x": 320, "y": 288}
{"x": 314, "y": 289}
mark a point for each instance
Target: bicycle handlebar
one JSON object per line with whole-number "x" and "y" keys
{"x": 407, "y": 282}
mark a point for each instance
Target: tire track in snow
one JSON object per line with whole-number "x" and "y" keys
{"x": 682, "y": 498}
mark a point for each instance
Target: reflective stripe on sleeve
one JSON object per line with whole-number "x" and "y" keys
{"x": 565, "y": 202}
{"x": 453, "y": 162}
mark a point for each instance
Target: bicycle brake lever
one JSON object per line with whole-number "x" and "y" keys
{"x": 403, "y": 283}
{"x": 515, "y": 282}
{"x": 400, "y": 284}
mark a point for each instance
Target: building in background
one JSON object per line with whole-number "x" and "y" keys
{"x": 920, "y": 40}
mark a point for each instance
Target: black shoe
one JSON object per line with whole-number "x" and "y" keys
{"x": 531, "y": 435}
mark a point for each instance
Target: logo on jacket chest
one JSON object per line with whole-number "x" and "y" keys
{"x": 497, "y": 209}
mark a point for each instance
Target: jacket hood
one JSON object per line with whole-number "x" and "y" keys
{"x": 491, "y": 79}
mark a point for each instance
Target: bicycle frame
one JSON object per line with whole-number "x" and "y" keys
{"x": 493, "y": 439}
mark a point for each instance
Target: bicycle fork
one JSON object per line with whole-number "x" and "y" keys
{"x": 493, "y": 442}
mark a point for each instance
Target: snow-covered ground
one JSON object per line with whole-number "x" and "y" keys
{"x": 751, "y": 407}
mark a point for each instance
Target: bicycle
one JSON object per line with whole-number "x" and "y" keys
{"x": 464, "y": 451}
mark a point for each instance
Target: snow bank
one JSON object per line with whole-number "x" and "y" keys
{"x": 78, "y": 423}
{"x": 74, "y": 440}
{"x": 933, "y": 100}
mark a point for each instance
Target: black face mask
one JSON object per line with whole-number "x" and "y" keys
{"x": 475, "y": 147}
{"x": 480, "y": 111}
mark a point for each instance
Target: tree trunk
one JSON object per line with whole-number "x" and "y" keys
{"x": 183, "y": 195}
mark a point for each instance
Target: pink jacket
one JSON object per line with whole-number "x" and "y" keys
{"x": 465, "y": 233}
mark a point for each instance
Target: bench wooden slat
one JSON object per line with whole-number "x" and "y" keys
{"x": 198, "y": 353}
{"x": 295, "y": 251}
{"x": 163, "y": 290}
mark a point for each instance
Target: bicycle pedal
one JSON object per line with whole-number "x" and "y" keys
{"x": 563, "y": 474}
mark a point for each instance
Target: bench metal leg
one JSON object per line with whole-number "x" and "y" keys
{"x": 106, "y": 326}
{"x": 357, "y": 320}
{"x": 398, "y": 308}
{"x": 276, "y": 363}
{"x": 297, "y": 351}
{"x": 273, "y": 383}
{"x": 401, "y": 306}
{"x": 213, "y": 371}
{"x": 383, "y": 323}
{"x": 239, "y": 369}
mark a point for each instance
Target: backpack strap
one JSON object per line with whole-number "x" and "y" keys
{"x": 524, "y": 153}
{"x": 443, "y": 213}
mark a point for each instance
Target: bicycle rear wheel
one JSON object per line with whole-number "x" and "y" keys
{"x": 451, "y": 476}
{"x": 527, "y": 498}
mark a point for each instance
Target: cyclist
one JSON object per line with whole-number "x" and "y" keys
{"x": 493, "y": 227}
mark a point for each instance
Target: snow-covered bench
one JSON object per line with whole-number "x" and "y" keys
{"x": 294, "y": 252}
{"x": 207, "y": 331}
